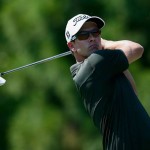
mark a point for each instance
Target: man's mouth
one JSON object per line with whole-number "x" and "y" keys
{"x": 93, "y": 47}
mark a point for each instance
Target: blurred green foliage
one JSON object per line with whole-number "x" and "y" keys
{"x": 40, "y": 108}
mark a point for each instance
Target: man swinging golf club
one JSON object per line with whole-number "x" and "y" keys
{"x": 106, "y": 86}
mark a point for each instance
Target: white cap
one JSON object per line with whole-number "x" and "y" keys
{"x": 75, "y": 24}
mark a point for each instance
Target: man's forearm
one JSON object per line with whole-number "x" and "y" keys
{"x": 132, "y": 50}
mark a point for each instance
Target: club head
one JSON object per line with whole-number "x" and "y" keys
{"x": 2, "y": 81}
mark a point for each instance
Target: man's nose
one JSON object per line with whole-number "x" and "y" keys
{"x": 91, "y": 37}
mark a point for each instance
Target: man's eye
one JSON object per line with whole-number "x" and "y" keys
{"x": 83, "y": 33}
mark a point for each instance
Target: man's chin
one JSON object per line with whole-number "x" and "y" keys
{"x": 93, "y": 50}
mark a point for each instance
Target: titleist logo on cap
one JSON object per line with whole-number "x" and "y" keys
{"x": 80, "y": 18}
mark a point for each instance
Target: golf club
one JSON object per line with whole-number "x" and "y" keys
{"x": 2, "y": 80}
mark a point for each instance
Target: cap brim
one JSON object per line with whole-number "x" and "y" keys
{"x": 100, "y": 23}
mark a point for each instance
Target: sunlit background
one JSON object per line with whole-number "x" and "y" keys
{"x": 40, "y": 108}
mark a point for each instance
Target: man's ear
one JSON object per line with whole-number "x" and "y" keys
{"x": 71, "y": 46}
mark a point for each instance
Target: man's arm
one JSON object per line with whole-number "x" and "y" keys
{"x": 132, "y": 50}
{"x": 131, "y": 80}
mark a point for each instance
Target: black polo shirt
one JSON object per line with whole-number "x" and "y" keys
{"x": 111, "y": 102}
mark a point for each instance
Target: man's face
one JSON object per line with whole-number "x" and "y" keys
{"x": 84, "y": 47}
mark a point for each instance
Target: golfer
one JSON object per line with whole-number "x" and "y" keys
{"x": 106, "y": 86}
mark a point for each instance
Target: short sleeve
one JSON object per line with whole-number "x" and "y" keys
{"x": 108, "y": 62}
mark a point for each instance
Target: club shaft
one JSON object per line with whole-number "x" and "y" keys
{"x": 37, "y": 62}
